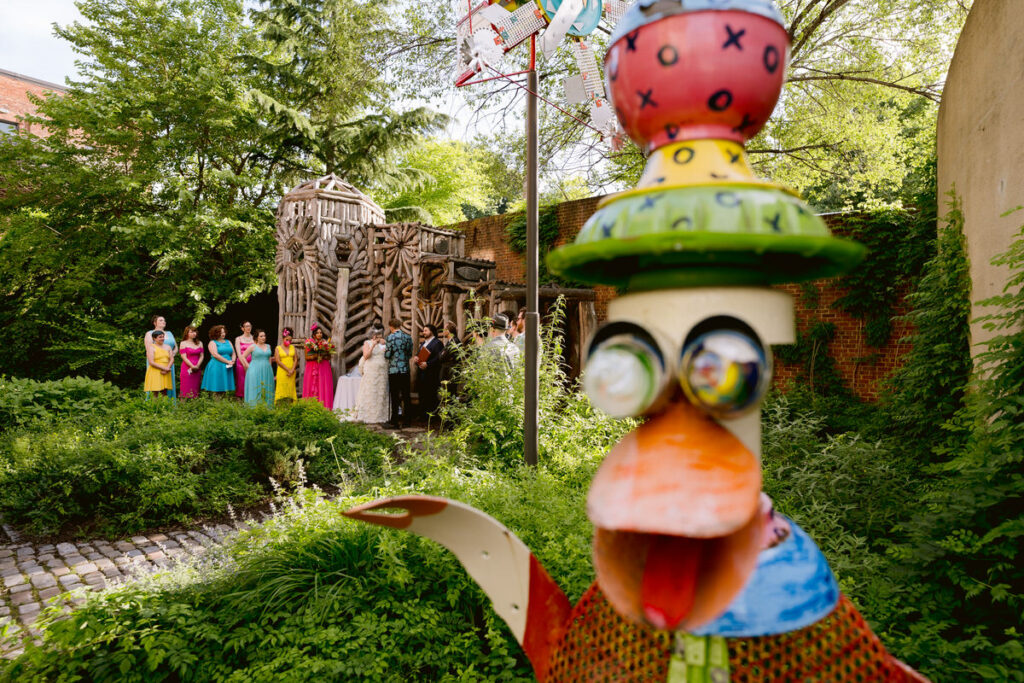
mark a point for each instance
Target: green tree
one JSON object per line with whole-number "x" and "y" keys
{"x": 458, "y": 183}
{"x": 854, "y": 127}
{"x": 153, "y": 192}
{"x": 324, "y": 90}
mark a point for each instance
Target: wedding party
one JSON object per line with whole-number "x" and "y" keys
{"x": 379, "y": 390}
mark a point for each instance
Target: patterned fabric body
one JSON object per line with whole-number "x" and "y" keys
{"x": 601, "y": 645}
{"x": 398, "y": 353}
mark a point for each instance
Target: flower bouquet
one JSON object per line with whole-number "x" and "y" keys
{"x": 318, "y": 349}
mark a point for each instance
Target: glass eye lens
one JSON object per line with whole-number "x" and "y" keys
{"x": 725, "y": 372}
{"x": 623, "y": 377}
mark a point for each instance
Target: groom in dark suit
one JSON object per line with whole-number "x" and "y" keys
{"x": 429, "y": 381}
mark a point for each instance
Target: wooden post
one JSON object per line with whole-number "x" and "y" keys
{"x": 460, "y": 314}
{"x": 414, "y": 313}
{"x": 588, "y": 321}
{"x": 338, "y": 329}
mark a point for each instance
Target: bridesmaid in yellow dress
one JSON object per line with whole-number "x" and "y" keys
{"x": 159, "y": 367}
{"x": 286, "y": 367}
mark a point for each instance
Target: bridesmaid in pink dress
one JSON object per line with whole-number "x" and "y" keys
{"x": 318, "y": 381}
{"x": 242, "y": 342}
{"x": 191, "y": 361}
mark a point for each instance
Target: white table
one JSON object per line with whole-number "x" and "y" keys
{"x": 345, "y": 395}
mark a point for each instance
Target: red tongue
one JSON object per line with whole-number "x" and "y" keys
{"x": 670, "y": 580}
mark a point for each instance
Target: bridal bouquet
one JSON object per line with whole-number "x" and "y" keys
{"x": 319, "y": 349}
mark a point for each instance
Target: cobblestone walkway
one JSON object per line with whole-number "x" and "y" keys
{"x": 33, "y": 575}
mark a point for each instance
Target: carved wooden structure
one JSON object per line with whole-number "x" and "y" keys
{"x": 341, "y": 266}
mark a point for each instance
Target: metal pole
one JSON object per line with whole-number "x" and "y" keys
{"x": 532, "y": 268}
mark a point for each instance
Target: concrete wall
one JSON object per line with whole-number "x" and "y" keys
{"x": 14, "y": 102}
{"x": 981, "y": 139}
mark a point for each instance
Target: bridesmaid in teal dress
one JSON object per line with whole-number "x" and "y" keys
{"x": 218, "y": 376}
{"x": 259, "y": 378}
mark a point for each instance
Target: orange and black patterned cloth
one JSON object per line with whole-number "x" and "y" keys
{"x": 601, "y": 645}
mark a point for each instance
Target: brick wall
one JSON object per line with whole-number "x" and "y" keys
{"x": 486, "y": 239}
{"x": 861, "y": 367}
{"x": 14, "y": 102}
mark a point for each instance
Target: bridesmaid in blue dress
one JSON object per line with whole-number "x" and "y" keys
{"x": 159, "y": 323}
{"x": 259, "y": 378}
{"x": 219, "y": 377}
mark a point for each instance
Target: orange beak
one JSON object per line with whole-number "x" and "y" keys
{"x": 675, "y": 508}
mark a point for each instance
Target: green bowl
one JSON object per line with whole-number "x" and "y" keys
{"x": 704, "y": 236}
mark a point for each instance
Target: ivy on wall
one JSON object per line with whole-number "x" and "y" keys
{"x": 547, "y": 229}
{"x": 811, "y": 349}
{"x": 900, "y": 243}
{"x": 929, "y": 388}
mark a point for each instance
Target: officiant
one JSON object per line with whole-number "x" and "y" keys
{"x": 428, "y": 360}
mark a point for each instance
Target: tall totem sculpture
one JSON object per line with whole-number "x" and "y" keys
{"x": 697, "y": 578}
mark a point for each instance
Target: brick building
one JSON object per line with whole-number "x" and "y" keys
{"x": 14, "y": 101}
{"x": 861, "y": 367}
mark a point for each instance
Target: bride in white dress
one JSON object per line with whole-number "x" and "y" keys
{"x": 372, "y": 403}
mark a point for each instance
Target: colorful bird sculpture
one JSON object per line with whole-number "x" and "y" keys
{"x": 698, "y": 579}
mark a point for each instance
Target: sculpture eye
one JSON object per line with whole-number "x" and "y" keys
{"x": 725, "y": 369}
{"x": 625, "y": 373}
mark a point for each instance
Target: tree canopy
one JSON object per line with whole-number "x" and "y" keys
{"x": 154, "y": 191}
{"x": 854, "y": 127}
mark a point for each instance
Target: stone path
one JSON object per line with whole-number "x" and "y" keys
{"x": 32, "y": 575}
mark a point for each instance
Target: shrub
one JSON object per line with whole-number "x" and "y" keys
{"x": 964, "y": 542}
{"x": 929, "y": 387}
{"x": 147, "y": 463}
{"x": 485, "y": 420}
{"x": 25, "y": 400}
{"x": 312, "y": 595}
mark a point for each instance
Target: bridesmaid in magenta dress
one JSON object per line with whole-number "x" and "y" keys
{"x": 318, "y": 381}
{"x": 242, "y": 342}
{"x": 191, "y": 362}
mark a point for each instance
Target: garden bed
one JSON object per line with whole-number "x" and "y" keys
{"x": 73, "y": 467}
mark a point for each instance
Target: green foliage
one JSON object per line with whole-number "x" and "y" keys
{"x": 147, "y": 185}
{"x": 548, "y": 230}
{"x": 277, "y": 454}
{"x": 135, "y": 464}
{"x": 98, "y": 350}
{"x": 811, "y": 352}
{"x": 25, "y": 400}
{"x": 155, "y": 189}
{"x": 457, "y": 184}
{"x": 929, "y": 387}
{"x": 324, "y": 92}
{"x": 965, "y": 540}
{"x": 312, "y": 594}
{"x": 932, "y": 563}
{"x": 899, "y": 243}
{"x": 486, "y": 417}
